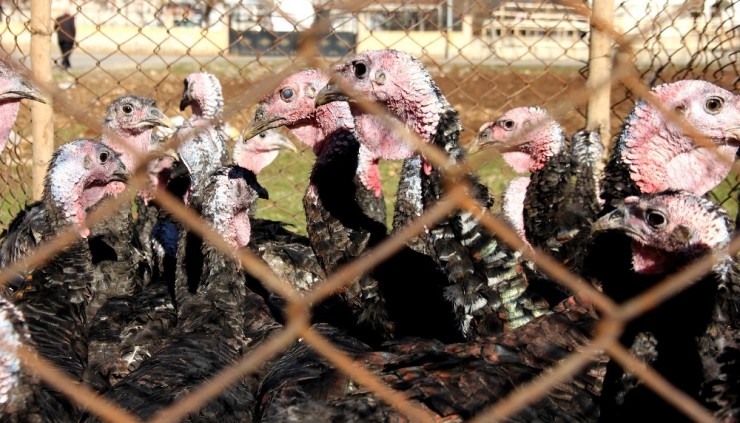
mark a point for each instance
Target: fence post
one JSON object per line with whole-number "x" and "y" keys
{"x": 42, "y": 125}
{"x": 599, "y": 73}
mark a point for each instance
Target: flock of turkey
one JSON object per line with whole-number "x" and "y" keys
{"x": 143, "y": 311}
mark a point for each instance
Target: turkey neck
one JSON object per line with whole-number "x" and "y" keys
{"x": 218, "y": 306}
{"x": 668, "y": 338}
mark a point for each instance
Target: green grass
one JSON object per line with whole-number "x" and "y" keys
{"x": 286, "y": 180}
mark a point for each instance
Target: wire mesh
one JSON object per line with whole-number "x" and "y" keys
{"x": 486, "y": 56}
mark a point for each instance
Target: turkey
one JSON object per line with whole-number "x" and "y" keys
{"x": 341, "y": 216}
{"x": 486, "y": 286}
{"x": 202, "y": 140}
{"x": 529, "y": 139}
{"x": 54, "y": 298}
{"x": 116, "y": 243}
{"x": 20, "y": 237}
{"x": 25, "y": 398}
{"x": 644, "y": 239}
{"x": 555, "y": 207}
{"x": 201, "y": 150}
{"x": 652, "y": 152}
{"x": 288, "y": 254}
{"x": 216, "y": 325}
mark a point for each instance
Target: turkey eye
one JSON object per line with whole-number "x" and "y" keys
{"x": 713, "y": 105}
{"x": 508, "y": 124}
{"x": 655, "y": 218}
{"x": 287, "y": 94}
{"x": 127, "y": 108}
{"x": 360, "y": 70}
{"x": 103, "y": 157}
{"x": 262, "y": 135}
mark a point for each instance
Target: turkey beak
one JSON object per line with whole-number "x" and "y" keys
{"x": 261, "y": 123}
{"x": 185, "y": 100}
{"x": 616, "y": 219}
{"x": 735, "y": 132}
{"x": 473, "y": 146}
{"x": 329, "y": 94}
{"x": 157, "y": 118}
{"x": 120, "y": 174}
{"x": 20, "y": 89}
{"x": 263, "y": 194}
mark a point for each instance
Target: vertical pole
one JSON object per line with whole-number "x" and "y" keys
{"x": 599, "y": 72}
{"x": 449, "y": 29}
{"x": 42, "y": 129}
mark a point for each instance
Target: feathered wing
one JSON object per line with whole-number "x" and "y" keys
{"x": 22, "y": 236}
{"x": 487, "y": 287}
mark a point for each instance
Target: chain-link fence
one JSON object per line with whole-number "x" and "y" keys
{"x": 486, "y": 56}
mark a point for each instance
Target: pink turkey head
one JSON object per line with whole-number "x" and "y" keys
{"x": 13, "y": 89}
{"x": 292, "y": 105}
{"x": 667, "y": 229}
{"x": 202, "y": 92}
{"x": 82, "y": 173}
{"x": 661, "y": 156}
{"x": 257, "y": 153}
{"x": 395, "y": 79}
{"x": 128, "y": 126}
{"x": 526, "y": 136}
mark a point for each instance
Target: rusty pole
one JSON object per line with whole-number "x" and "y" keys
{"x": 42, "y": 115}
{"x": 599, "y": 70}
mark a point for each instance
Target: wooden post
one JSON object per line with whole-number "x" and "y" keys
{"x": 43, "y": 125}
{"x": 599, "y": 73}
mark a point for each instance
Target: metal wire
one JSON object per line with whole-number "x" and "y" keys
{"x": 486, "y": 60}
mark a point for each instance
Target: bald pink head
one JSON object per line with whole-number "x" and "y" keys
{"x": 398, "y": 81}
{"x": 13, "y": 89}
{"x": 81, "y": 173}
{"x": 257, "y": 153}
{"x": 292, "y": 105}
{"x": 202, "y": 92}
{"x": 527, "y": 136}
{"x": 661, "y": 156}
{"x": 668, "y": 229}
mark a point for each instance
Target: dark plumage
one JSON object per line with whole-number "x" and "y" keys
{"x": 217, "y": 322}
{"x": 24, "y": 397}
{"x": 455, "y": 381}
{"x": 647, "y": 238}
{"x": 555, "y": 207}
{"x": 344, "y": 217}
{"x": 55, "y": 298}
